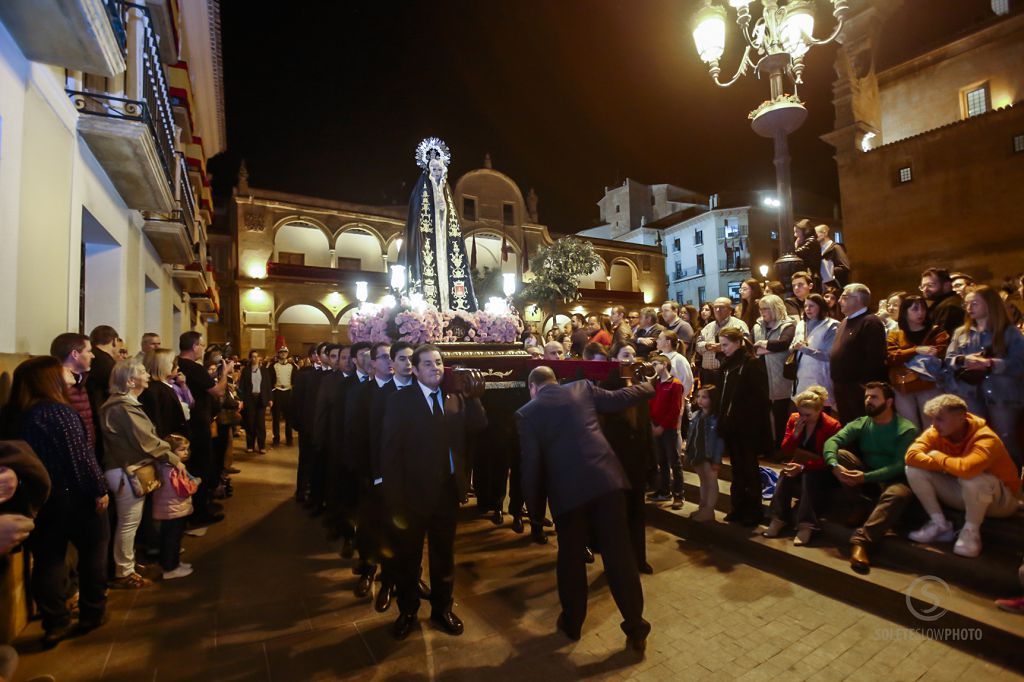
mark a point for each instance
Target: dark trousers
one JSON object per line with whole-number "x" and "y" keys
{"x": 516, "y": 501}
{"x": 171, "y": 531}
{"x": 371, "y": 539}
{"x": 849, "y": 401}
{"x": 605, "y": 518}
{"x": 282, "y": 410}
{"x": 745, "y": 491}
{"x": 438, "y": 527}
{"x": 63, "y": 520}
{"x": 670, "y": 469}
{"x": 200, "y": 465}
{"x": 814, "y": 488}
{"x": 305, "y": 465}
{"x": 890, "y": 498}
{"x": 255, "y": 423}
{"x": 636, "y": 519}
{"x": 780, "y": 415}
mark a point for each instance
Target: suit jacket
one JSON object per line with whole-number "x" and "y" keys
{"x": 328, "y": 408}
{"x": 414, "y": 453}
{"x": 302, "y": 382}
{"x": 98, "y": 385}
{"x": 859, "y": 352}
{"x": 840, "y": 263}
{"x": 161, "y": 405}
{"x": 653, "y": 332}
{"x": 358, "y": 399}
{"x": 376, "y": 425}
{"x": 266, "y": 385}
{"x": 630, "y": 436}
{"x": 564, "y": 451}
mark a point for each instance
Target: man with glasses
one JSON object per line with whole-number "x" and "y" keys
{"x": 707, "y": 343}
{"x": 945, "y": 306}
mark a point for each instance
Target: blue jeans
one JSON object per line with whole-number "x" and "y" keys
{"x": 670, "y": 469}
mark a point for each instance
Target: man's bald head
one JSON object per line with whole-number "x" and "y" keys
{"x": 541, "y": 376}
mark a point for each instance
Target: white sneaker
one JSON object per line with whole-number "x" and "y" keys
{"x": 197, "y": 532}
{"x": 968, "y": 543}
{"x": 933, "y": 532}
{"x": 186, "y": 565}
{"x": 180, "y": 572}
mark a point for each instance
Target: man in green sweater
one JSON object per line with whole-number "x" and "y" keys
{"x": 877, "y": 471}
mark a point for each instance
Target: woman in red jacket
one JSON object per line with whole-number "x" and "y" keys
{"x": 805, "y": 474}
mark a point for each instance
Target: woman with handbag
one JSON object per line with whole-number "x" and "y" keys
{"x": 812, "y": 343}
{"x": 914, "y": 347}
{"x": 773, "y": 334}
{"x": 131, "y": 449}
{"x": 38, "y": 412}
{"x": 985, "y": 366}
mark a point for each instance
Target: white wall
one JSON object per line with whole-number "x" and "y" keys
{"x": 307, "y": 240}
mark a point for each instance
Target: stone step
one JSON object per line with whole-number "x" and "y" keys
{"x": 968, "y": 619}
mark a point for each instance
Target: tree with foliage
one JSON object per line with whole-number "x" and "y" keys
{"x": 557, "y": 270}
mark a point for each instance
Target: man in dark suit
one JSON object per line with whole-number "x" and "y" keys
{"x": 566, "y": 456}
{"x": 858, "y": 353}
{"x": 255, "y": 390}
{"x": 97, "y": 383}
{"x": 339, "y": 487}
{"x": 647, "y": 332}
{"x": 423, "y": 461}
{"x": 301, "y": 420}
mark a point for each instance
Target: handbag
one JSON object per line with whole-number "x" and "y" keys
{"x": 906, "y": 380}
{"x": 792, "y": 364}
{"x": 143, "y": 477}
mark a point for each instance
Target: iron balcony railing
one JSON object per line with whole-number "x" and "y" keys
{"x": 186, "y": 198}
{"x": 153, "y": 107}
{"x": 688, "y": 273}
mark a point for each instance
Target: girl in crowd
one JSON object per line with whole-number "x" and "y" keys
{"x": 985, "y": 366}
{"x": 667, "y": 344}
{"x": 915, "y": 341}
{"x": 889, "y": 311}
{"x": 704, "y": 448}
{"x": 129, "y": 438}
{"x": 773, "y": 335}
{"x": 813, "y": 340}
{"x": 832, "y": 309}
{"x": 750, "y": 293}
{"x": 76, "y": 511}
{"x": 806, "y": 474}
{"x": 172, "y": 504}
{"x": 744, "y": 424}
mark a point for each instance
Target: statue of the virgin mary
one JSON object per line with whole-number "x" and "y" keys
{"x": 434, "y": 251}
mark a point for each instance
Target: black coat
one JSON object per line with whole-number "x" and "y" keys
{"x": 376, "y": 425}
{"x": 358, "y": 400}
{"x": 859, "y": 352}
{"x": 744, "y": 407}
{"x": 98, "y": 386}
{"x": 840, "y": 264}
{"x": 947, "y": 312}
{"x": 328, "y": 409}
{"x": 810, "y": 253}
{"x": 302, "y": 384}
{"x": 630, "y": 436}
{"x": 266, "y": 385}
{"x": 161, "y": 405}
{"x": 653, "y": 332}
{"x": 414, "y": 453}
{"x": 564, "y": 451}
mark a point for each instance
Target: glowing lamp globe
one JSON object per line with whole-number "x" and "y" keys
{"x": 709, "y": 33}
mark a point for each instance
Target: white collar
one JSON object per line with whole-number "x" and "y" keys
{"x": 401, "y": 384}
{"x": 360, "y": 376}
{"x": 860, "y": 312}
{"x": 380, "y": 384}
{"x": 427, "y": 393}
{"x": 827, "y": 245}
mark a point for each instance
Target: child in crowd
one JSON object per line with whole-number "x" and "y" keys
{"x": 704, "y": 448}
{"x": 172, "y": 504}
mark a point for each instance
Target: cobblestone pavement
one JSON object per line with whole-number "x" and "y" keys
{"x": 271, "y": 600}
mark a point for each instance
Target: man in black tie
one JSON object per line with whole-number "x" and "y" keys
{"x": 255, "y": 390}
{"x": 566, "y": 456}
{"x": 423, "y": 466}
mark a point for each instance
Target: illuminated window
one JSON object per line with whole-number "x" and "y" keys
{"x": 905, "y": 175}
{"x": 976, "y": 101}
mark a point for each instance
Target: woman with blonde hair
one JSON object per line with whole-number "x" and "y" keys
{"x": 159, "y": 400}
{"x": 985, "y": 366}
{"x": 773, "y": 334}
{"x": 129, "y": 439}
{"x": 805, "y": 474}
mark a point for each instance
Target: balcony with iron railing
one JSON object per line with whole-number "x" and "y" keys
{"x": 687, "y": 273}
{"x": 178, "y": 234}
{"x": 322, "y": 275}
{"x": 127, "y": 122}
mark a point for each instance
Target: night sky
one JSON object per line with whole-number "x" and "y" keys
{"x": 568, "y": 96}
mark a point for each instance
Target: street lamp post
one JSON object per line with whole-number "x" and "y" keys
{"x": 779, "y": 39}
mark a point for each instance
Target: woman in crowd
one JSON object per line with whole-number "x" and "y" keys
{"x": 603, "y": 333}
{"x": 704, "y": 450}
{"x": 831, "y": 297}
{"x": 668, "y": 344}
{"x": 690, "y": 316}
{"x": 985, "y": 366}
{"x": 626, "y": 354}
{"x": 38, "y": 413}
{"x": 706, "y": 315}
{"x": 805, "y": 474}
{"x": 595, "y": 351}
{"x": 813, "y": 340}
{"x": 744, "y": 424}
{"x": 129, "y": 438}
{"x": 773, "y": 335}
{"x": 918, "y": 345}
{"x": 160, "y": 401}
{"x": 889, "y": 311}
{"x": 750, "y": 293}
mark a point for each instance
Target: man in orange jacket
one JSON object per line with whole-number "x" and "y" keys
{"x": 961, "y": 462}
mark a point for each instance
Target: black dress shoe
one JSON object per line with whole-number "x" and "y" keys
{"x": 403, "y": 626}
{"x": 348, "y": 549}
{"x": 538, "y": 538}
{"x": 448, "y": 622}
{"x": 423, "y": 589}
{"x": 86, "y": 625}
{"x": 589, "y": 556}
{"x": 497, "y": 518}
{"x": 53, "y": 636}
{"x": 365, "y": 586}
{"x": 646, "y": 568}
{"x": 517, "y": 524}
{"x": 574, "y": 635}
{"x": 637, "y": 641}
{"x": 384, "y": 597}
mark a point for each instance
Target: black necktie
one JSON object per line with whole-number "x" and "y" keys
{"x": 449, "y": 466}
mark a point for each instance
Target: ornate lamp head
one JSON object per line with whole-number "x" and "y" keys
{"x": 430, "y": 149}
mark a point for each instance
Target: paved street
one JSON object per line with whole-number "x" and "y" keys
{"x": 271, "y": 600}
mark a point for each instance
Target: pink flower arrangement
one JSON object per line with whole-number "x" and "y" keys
{"x": 425, "y": 325}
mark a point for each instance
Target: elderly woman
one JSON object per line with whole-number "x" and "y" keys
{"x": 813, "y": 338}
{"x": 805, "y": 474}
{"x": 985, "y": 366}
{"x": 773, "y": 334}
{"x": 129, "y": 438}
